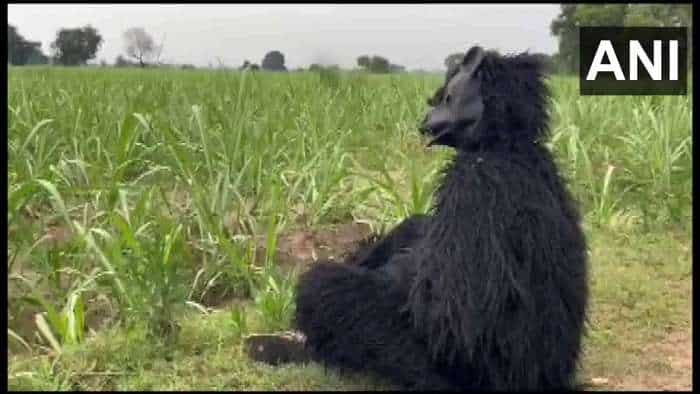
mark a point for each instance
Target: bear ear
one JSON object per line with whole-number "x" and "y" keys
{"x": 472, "y": 59}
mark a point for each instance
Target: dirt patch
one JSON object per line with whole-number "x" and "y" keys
{"x": 676, "y": 351}
{"x": 303, "y": 247}
{"x": 20, "y": 313}
{"x": 21, "y": 321}
{"x": 672, "y": 372}
{"x": 57, "y": 236}
{"x": 100, "y": 313}
{"x": 24, "y": 284}
{"x": 296, "y": 251}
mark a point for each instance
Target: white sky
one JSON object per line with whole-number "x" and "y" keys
{"x": 415, "y": 36}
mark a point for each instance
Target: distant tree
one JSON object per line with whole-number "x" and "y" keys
{"x": 21, "y": 51}
{"x": 379, "y": 64}
{"x": 274, "y": 61}
{"x": 121, "y": 61}
{"x": 395, "y": 68}
{"x": 598, "y": 15}
{"x": 249, "y": 66}
{"x": 549, "y": 62}
{"x": 565, "y": 27}
{"x": 13, "y": 40}
{"x": 140, "y": 45}
{"x": 453, "y": 60}
{"x": 37, "y": 57}
{"x": 659, "y": 15}
{"x": 103, "y": 63}
{"x": 364, "y": 61}
{"x": 663, "y": 15}
{"x": 187, "y": 67}
{"x": 315, "y": 67}
{"x": 376, "y": 64}
{"x": 601, "y": 14}
{"x": 76, "y": 46}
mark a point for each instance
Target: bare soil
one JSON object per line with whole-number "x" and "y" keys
{"x": 303, "y": 247}
{"x": 676, "y": 351}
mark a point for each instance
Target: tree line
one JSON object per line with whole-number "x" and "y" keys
{"x": 71, "y": 47}
{"x": 76, "y": 46}
{"x": 22, "y": 51}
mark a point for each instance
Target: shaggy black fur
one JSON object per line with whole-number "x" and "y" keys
{"x": 489, "y": 292}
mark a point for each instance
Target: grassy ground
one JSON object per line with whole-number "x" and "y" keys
{"x": 641, "y": 302}
{"x": 144, "y": 209}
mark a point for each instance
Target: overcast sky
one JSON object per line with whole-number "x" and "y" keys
{"x": 415, "y": 36}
